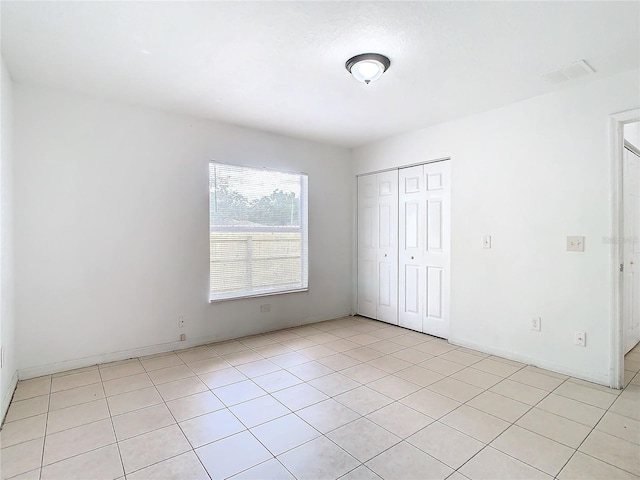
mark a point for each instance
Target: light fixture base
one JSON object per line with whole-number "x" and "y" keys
{"x": 367, "y": 67}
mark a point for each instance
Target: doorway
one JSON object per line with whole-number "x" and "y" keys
{"x": 631, "y": 238}
{"x": 625, "y": 137}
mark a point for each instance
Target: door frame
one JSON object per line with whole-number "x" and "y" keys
{"x": 354, "y": 263}
{"x": 616, "y": 139}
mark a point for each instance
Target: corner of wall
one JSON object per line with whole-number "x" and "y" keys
{"x": 8, "y": 370}
{"x": 7, "y": 396}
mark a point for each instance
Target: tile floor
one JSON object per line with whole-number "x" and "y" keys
{"x": 349, "y": 398}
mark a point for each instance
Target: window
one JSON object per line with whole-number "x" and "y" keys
{"x": 258, "y": 231}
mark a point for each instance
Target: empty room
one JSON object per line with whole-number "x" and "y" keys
{"x": 319, "y": 240}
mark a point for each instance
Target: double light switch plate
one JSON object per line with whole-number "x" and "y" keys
{"x": 575, "y": 244}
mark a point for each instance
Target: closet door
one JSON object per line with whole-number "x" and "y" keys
{"x": 378, "y": 246}
{"x": 387, "y": 240}
{"x": 367, "y": 246}
{"x": 437, "y": 249}
{"x": 411, "y": 282}
{"x": 424, "y": 251}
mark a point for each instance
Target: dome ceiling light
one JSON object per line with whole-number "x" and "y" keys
{"x": 367, "y": 67}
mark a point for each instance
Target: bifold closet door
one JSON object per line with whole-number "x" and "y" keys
{"x": 378, "y": 246}
{"x": 388, "y": 247}
{"x": 367, "y": 246}
{"x": 424, "y": 248}
{"x": 411, "y": 281}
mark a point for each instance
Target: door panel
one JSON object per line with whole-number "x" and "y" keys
{"x": 631, "y": 249}
{"x": 412, "y": 225}
{"x": 434, "y": 182}
{"x": 411, "y": 239}
{"x": 434, "y": 292}
{"x": 387, "y": 188}
{"x": 412, "y": 182}
{"x": 387, "y": 308}
{"x": 434, "y": 225}
{"x": 367, "y": 227}
{"x": 384, "y": 288}
{"x": 385, "y": 233}
{"x": 412, "y": 288}
{"x": 410, "y": 316}
{"x": 378, "y": 246}
{"x": 367, "y": 246}
{"x": 436, "y": 257}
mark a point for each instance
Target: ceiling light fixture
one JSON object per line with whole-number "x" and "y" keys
{"x": 367, "y": 67}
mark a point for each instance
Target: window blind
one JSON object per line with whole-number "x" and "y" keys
{"x": 258, "y": 231}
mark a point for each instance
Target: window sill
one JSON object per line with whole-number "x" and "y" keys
{"x": 257, "y": 295}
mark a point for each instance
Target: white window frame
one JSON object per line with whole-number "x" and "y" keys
{"x": 304, "y": 235}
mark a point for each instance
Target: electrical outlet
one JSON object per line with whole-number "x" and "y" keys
{"x": 183, "y": 337}
{"x": 181, "y": 321}
{"x": 265, "y": 308}
{"x": 581, "y": 339}
{"x": 536, "y": 324}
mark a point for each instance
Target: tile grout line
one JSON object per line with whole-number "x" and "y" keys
{"x": 321, "y": 434}
{"x": 556, "y": 441}
{"x": 589, "y": 434}
{"x": 488, "y": 444}
{"x": 183, "y": 434}
{"x": 435, "y": 420}
{"x": 46, "y": 421}
{"x": 113, "y": 427}
{"x": 227, "y": 408}
{"x": 156, "y": 429}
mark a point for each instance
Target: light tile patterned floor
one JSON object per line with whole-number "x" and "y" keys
{"x": 349, "y": 398}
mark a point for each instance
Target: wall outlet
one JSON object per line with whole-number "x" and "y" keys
{"x": 536, "y": 324}
{"x": 181, "y": 321}
{"x": 581, "y": 339}
{"x": 183, "y": 337}
{"x": 265, "y": 308}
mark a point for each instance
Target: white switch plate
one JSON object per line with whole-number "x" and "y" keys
{"x": 581, "y": 339}
{"x": 575, "y": 244}
{"x": 486, "y": 241}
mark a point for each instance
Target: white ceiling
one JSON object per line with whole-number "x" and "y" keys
{"x": 279, "y": 66}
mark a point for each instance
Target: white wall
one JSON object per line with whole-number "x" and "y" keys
{"x": 111, "y": 205}
{"x": 529, "y": 174}
{"x": 7, "y": 325}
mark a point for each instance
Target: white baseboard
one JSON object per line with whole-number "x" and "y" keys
{"x": 38, "y": 371}
{"x": 600, "y": 379}
{"x": 8, "y": 395}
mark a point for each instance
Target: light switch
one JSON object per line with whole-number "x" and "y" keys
{"x": 486, "y": 241}
{"x": 575, "y": 244}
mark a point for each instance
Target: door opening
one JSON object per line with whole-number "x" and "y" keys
{"x": 631, "y": 239}
{"x": 626, "y": 275}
